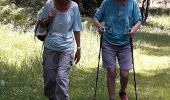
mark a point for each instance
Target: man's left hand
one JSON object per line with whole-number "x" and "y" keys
{"x": 77, "y": 56}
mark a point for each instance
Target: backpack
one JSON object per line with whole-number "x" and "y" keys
{"x": 40, "y": 31}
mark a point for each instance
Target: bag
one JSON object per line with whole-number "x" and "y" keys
{"x": 40, "y": 31}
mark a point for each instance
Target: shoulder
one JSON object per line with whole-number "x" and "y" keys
{"x": 133, "y": 1}
{"x": 74, "y": 7}
{"x": 108, "y": 1}
{"x": 74, "y": 4}
{"x": 49, "y": 3}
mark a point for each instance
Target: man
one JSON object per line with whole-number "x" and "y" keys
{"x": 63, "y": 20}
{"x": 122, "y": 19}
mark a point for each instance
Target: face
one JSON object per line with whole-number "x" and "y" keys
{"x": 122, "y": 1}
{"x": 62, "y": 2}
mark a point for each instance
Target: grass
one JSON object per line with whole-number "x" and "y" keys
{"x": 21, "y": 70}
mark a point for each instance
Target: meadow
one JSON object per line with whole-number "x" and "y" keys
{"x": 21, "y": 64}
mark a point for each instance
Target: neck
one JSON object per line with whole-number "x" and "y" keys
{"x": 62, "y": 6}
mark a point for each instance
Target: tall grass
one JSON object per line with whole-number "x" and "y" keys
{"x": 21, "y": 69}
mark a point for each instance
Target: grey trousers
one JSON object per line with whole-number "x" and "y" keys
{"x": 56, "y": 66}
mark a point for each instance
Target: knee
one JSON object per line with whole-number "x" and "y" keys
{"x": 111, "y": 73}
{"x": 49, "y": 76}
{"x": 62, "y": 74}
{"x": 124, "y": 74}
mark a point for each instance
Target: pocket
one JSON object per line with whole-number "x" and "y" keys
{"x": 71, "y": 62}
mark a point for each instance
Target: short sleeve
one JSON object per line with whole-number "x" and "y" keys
{"x": 77, "y": 25}
{"x": 136, "y": 13}
{"x": 100, "y": 11}
{"x": 47, "y": 7}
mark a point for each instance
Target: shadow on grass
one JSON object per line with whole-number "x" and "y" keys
{"x": 153, "y": 87}
{"x": 154, "y": 39}
{"x": 155, "y": 51}
{"x": 22, "y": 83}
{"x": 160, "y": 43}
{"x": 155, "y": 24}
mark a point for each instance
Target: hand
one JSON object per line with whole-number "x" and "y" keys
{"x": 101, "y": 30}
{"x": 77, "y": 56}
{"x": 131, "y": 33}
{"x": 45, "y": 21}
{"x": 52, "y": 13}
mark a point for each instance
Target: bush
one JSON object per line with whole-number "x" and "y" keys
{"x": 11, "y": 13}
{"x": 19, "y": 12}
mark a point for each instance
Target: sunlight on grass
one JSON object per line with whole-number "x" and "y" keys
{"x": 161, "y": 21}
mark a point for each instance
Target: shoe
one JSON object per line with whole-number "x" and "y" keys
{"x": 111, "y": 99}
{"x": 123, "y": 96}
{"x": 51, "y": 98}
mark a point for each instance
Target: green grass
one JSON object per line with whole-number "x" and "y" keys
{"x": 21, "y": 70}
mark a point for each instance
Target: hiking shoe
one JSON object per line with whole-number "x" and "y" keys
{"x": 123, "y": 96}
{"x": 51, "y": 98}
{"x": 111, "y": 99}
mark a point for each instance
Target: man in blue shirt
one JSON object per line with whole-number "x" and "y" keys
{"x": 121, "y": 19}
{"x": 63, "y": 20}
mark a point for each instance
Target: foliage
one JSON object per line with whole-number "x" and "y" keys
{"x": 21, "y": 12}
{"x": 17, "y": 15}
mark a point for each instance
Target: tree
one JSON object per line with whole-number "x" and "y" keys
{"x": 145, "y": 9}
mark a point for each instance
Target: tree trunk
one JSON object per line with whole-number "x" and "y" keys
{"x": 145, "y": 9}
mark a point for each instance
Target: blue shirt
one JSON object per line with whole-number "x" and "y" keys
{"x": 118, "y": 19}
{"x": 60, "y": 34}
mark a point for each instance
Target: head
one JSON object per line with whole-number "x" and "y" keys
{"x": 121, "y": 1}
{"x": 62, "y": 2}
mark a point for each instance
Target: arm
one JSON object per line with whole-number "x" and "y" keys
{"x": 46, "y": 21}
{"x": 77, "y": 27}
{"x": 96, "y": 23}
{"x": 78, "y": 53}
{"x": 48, "y": 12}
{"x": 136, "y": 19}
{"x": 98, "y": 17}
{"x": 134, "y": 29}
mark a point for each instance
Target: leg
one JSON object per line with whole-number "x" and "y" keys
{"x": 123, "y": 79}
{"x": 125, "y": 62}
{"x": 111, "y": 74}
{"x": 50, "y": 69}
{"x": 109, "y": 62}
{"x": 62, "y": 79}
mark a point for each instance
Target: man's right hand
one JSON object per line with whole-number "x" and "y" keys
{"x": 52, "y": 13}
{"x": 101, "y": 30}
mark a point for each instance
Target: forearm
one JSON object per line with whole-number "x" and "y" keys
{"x": 96, "y": 23}
{"x": 136, "y": 26}
{"x": 77, "y": 38}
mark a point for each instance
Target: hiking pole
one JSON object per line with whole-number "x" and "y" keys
{"x": 134, "y": 76}
{"x": 97, "y": 75}
{"x": 101, "y": 31}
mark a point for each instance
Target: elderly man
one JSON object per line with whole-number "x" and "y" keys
{"x": 122, "y": 19}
